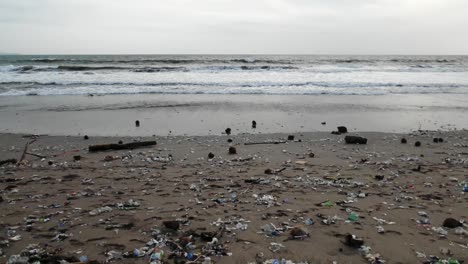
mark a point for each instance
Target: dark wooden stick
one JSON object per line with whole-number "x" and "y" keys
{"x": 36, "y": 155}
{"x": 133, "y": 145}
{"x": 25, "y": 150}
{"x": 265, "y": 142}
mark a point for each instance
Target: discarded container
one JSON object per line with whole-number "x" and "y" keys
{"x": 352, "y": 217}
{"x": 157, "y": 254}
{"x": 189, "y": 255}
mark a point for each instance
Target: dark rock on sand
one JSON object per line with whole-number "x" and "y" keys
{"x": 417, "y": 144}
{"x": 336, "y": 133}
{"x": 342, "y": 129}
{"x": 379, "y": 177}
{"x": 232, "y": 150}
{"x": 355, "y": 140}
{"x": 207, "y": 236}
{"x": 228, "y": 131}
{"x": 254, "y": 124}
{"x": 137, "y": 123}
{"x": 404, "y": 141}
{"x": 229, "y": 140}
{"x": 290, "y": 137}
{"x": 451, "y": 223}
{"x": 173, "y": 225}
{"x": 86, "y": 137}
{"x": 211, "y": 155}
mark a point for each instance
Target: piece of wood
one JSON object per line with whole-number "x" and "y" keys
{"x": 25, "y": 150}
{"x": 264, "y": 142}
{"x": 133, "y": 145}
{"x": 2, "y": 162}
{"x": 36, "y": 155}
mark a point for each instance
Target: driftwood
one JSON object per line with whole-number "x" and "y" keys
{"x": 8, "y": 161}
{"x": 25, "y": 151}
{"x": 264, "y": 142}
{"x": 36, "y": 155}
{"x": 133, "y": 145}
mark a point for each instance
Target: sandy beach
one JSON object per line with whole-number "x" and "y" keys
{"x": 306, "y": 194}
{"x": 237, "y": 132}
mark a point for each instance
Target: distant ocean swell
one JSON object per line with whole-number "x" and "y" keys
{"x": 304, "y": 88}
{"x": 229, "y": 61}
{"x": 229, "y": 74}
{"x": 28, "y": 69}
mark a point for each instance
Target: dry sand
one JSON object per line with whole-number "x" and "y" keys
{"x": 174, "y": 180}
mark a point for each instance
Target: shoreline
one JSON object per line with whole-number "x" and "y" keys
{"x": 175, "y": 181}
{"x": 191, "y": 115}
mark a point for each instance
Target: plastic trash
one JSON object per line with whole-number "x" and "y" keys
{"x": 275, "y": 247}
{"x": 352, "y": 217}
{"x": 101, "y": 210}
{"x": 17, "y": 259}
{"x": 269, "y": 230}
{"x": 440, "y": 230}
{"x": 83, "y": 259}
{"x": 157, "y": 255}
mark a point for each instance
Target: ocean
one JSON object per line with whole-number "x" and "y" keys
{"x": 47, "y": 75}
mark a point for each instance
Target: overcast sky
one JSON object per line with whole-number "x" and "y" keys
{"x": 234, "y": 26}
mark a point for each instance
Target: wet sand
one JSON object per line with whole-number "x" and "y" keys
{"x": 114, "y": 115}
{"x": 175, "y": 180}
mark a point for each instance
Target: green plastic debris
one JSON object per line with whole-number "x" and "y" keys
{"x": 352, "y": 217}
{"x": 327, "y": 204}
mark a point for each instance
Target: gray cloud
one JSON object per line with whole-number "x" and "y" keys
{"x": 234, "y": 26}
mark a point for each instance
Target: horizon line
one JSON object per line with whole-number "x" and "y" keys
{"x": 224, "y": 54}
